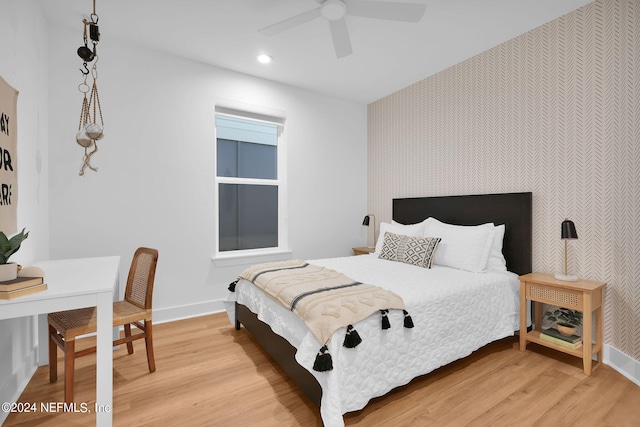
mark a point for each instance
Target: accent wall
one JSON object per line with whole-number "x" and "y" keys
{"x": 555, "y": 111}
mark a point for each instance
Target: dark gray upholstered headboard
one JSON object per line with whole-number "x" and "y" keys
{"x": 512, "y": 209}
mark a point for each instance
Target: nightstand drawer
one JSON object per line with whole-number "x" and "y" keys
{"x": 555, "y": 296}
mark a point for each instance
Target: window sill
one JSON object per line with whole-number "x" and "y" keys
{"x": 251, "y": 258}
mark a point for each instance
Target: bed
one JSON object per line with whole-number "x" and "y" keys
{"x": 457, "y": 313}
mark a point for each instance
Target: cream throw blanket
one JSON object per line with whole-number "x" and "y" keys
{"x": 324, "y": 299}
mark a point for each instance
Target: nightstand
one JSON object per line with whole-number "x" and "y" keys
{"x": 363, "y": 251}
{"x": 582, "y": 295}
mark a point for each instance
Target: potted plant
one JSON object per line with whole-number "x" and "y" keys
{"x": 9, "y": 271}
{"x": 566, "y": 319}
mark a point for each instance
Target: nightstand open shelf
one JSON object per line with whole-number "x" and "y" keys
{"x": 581, "y": 295}
{"x": 534, "y": 336}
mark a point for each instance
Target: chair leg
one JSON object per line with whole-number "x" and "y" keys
{"x": 69, "y": 369}
{"x": 53, "y": 356}
{"x": 148, "y": 340}
{"x": 127, "y": 333}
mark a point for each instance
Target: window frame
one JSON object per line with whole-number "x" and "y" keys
{"x": 280, "y": 182}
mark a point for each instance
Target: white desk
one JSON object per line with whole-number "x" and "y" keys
{"x": 76, "y": 283}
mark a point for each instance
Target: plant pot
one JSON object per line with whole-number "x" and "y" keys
{"x": 566, "y": 330}
{"x": 8, "y": 271}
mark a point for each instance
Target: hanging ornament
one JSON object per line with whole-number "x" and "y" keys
{"x": 81, "y": 137}
{"x": 94, "y": 131}
{"x": 89, "y": 129}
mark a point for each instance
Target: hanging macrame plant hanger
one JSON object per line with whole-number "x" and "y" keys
{"x": 89, "y": 129}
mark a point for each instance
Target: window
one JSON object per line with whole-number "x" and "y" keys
{"x": 249, "y": 183}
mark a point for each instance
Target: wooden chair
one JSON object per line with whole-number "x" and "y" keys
{"x": 65, "y": 326}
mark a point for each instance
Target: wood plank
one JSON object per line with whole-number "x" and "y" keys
{"x": 536, "y": 396}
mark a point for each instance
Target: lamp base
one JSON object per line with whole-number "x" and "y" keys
{"x": 566, "y": 278}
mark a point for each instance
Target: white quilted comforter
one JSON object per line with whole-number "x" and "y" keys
{"x": 454, "y": 312}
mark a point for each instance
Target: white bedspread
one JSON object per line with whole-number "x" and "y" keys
{"x": 454, "y": 312}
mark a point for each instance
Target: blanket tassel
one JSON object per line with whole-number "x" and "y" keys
{"x": 232, "y": 286}
{"x": 323, "y": 360}
{"x": 385, "y": 319}
{"x": 351, "y": 338}
{"x": 408, "y": 321}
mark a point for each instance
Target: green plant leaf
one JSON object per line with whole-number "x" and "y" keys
{"x": 566, "y": 316}
{"x": 10, "y": 246}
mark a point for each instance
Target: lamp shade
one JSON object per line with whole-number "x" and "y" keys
{"x": 568, "y": 230}
{"x": 372, "y": 230}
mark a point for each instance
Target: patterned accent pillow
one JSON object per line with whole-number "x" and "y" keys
{"x": 410, "y": 250}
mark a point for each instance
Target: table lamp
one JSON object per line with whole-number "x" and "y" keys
{"x": 568, "y": 232}
{"x": 366, "y": 222}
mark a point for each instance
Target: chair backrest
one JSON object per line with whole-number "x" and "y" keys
{"x": 141, "y": 277}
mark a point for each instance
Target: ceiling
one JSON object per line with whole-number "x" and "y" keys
{"x": 387, "y": 56}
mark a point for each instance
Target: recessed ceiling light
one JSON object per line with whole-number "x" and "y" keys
{"x": 264, "y": 59}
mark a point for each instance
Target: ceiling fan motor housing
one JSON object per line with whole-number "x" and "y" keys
{"x": 333, "y": 10}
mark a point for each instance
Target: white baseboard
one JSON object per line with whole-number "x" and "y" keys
{"x": 626, "y": 365}
{"x": 17, "y": 382}
{"x": 171, "y": 314}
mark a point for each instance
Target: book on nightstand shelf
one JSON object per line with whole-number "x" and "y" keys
{"x": 560, "y": 342}
{"x": 556, "y": 334}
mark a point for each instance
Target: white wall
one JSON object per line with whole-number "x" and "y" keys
{"x": 154, "y": 186}
{"x": 23, "y": 64}
{"x": 155, "y": 181}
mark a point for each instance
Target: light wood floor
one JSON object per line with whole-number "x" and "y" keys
{"x": 210, "y": 374}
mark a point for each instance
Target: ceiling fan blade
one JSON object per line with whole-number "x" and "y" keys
{"x": 341, "y": 40}
{"x": 289, "y": 23}
{"x": 406, "y": 12}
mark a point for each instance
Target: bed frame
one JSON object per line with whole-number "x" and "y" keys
{"x": 512, "y": 209}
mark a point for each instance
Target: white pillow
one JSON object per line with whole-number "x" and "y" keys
{"x": 414, "y": 230}
{"x": 496, "y": 260}
{"x": 462, "y": 247}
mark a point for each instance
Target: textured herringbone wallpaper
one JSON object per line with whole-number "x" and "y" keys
{"x": 555, "y": 111}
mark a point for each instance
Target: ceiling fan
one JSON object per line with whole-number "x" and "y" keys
{"x": 334, "y": 11}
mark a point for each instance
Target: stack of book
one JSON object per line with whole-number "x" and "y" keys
{"x": 21, "y": 286}
{"x": 552, "y": 335}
